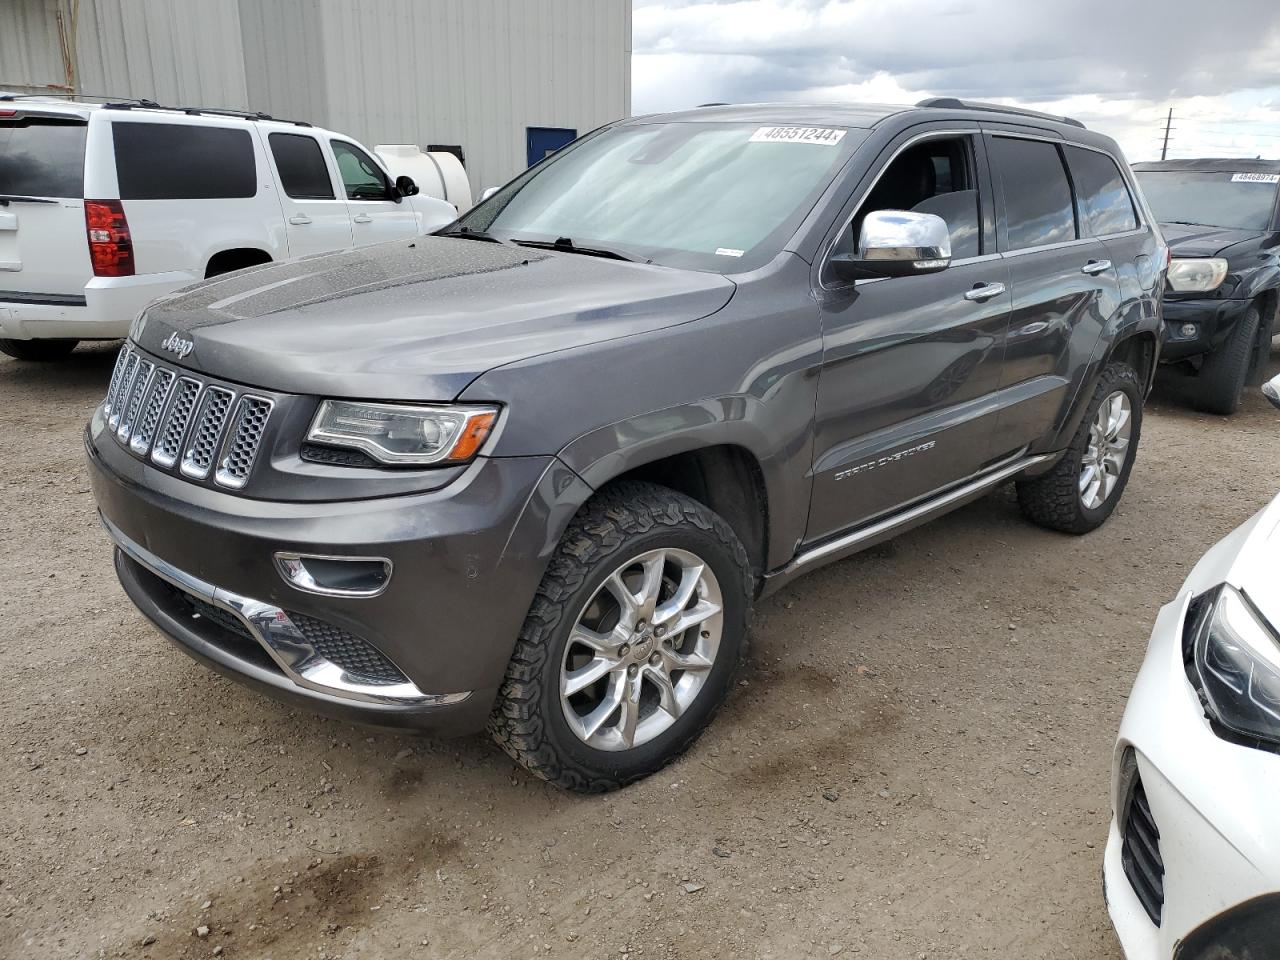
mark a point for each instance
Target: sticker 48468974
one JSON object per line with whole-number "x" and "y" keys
{"x": 1255, "y": 178}
{"x": 823, "y": 136}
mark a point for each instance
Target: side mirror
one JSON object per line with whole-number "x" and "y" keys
{"x": 406, "y": 186}
{"x": 488, "y": 192}
{"x": 1271, "y": 390}
{"x": 897, "y": 243}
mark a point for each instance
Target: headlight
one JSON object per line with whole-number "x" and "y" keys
{"x": 403, "y": 434}
{"x": 1198, "y": 276}
{"x": 1236, "y": 657}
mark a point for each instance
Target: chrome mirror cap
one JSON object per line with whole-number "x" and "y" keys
{"x": 1271, "y": 390}
{"x": 902, "y": 235}
{"x": 896, "y": 243}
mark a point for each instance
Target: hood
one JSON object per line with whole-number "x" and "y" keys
{"x": 1187, "y": 240}
{"x": 414, "y": 320}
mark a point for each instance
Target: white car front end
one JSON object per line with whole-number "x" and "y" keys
{"x": 1195, "y": 836}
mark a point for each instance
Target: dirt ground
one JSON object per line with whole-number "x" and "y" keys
{"x": 915, "y": 764}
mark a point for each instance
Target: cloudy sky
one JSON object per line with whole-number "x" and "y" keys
{"x": 1117, "y": 65}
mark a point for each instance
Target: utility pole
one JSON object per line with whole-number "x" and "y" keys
{"x": 1164, "y": 150}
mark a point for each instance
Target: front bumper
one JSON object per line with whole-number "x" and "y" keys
{"x": 1213, "y": 320}
{"x": 104, "y": 312}
{"x": 467, "y": 560}
{"x": 1213, "y": 803}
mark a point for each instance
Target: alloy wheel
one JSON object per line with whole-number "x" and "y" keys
{"x": 1108, "y": 449}
{"x": 641, "y": 649}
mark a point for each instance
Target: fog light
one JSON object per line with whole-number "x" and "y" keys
{"x": 335, "y": 576}
{"x": 1188, "y": 330}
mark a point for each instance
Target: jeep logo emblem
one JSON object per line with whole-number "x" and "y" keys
{"x": 175, "y": 344}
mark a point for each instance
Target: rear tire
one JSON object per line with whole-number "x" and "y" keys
{"x": 1062, "y": 499}
{"x": 585, "y": 661}
{"x": 40, "y": 351}
{"x": 1220, "y": 385}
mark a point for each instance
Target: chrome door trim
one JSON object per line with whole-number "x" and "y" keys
{"x": 883, "y": 529}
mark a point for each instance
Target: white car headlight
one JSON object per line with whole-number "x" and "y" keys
{"x": 1236, "y": 659}
{"x": 404, "y": 434}
{"x": 1188, "y": 275}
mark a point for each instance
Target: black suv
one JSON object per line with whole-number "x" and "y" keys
{"x": 534, "y": 470}
{"x": 1222, "y": 221}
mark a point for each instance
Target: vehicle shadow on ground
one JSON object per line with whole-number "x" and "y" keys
{"x": 87, "y": 368}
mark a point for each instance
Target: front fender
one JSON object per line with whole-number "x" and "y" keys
{"x": 735, "y": 421}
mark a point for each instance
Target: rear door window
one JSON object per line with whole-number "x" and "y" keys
{"x": 1037, "y": 195}
{"x": 170, "y": 161}
{"x": 1104, "y": 197}
{"x": 303, "y": 172}
{"x": 42, "y": 157}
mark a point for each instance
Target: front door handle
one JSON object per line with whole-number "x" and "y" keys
{"x": 984, "y": 292}
{"x": 299, "y": 219}
{"x": 1095, "y": 267}
{"x": 362, "y": 218}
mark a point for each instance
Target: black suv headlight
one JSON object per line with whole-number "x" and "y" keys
{"x": 404, "y": 434}
{"x": 1233, "y": 659}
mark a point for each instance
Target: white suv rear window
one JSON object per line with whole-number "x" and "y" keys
{"x": 42, "y": 156}
{"x": 172, "y": 161}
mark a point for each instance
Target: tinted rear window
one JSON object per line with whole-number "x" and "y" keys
{"x": 1104, "y": 197}
{"x": 1037, "y": 195}
{"x": 42, "y": 157}
{"x": 170, "y": 161}
{"x": 302, "y": 168}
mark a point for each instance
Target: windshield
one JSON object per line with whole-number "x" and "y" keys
{"x": 1240, "y": 201}
{"x": 723, "y": 197}
{"x": 42, "y": 157}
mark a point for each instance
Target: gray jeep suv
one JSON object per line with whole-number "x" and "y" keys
{"x": 534, "y": 470}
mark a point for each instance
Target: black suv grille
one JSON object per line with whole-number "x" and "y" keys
{"x": 207, "y": 431}
{"x": 357, "y": 657}
{"x": 1140, "y": 853}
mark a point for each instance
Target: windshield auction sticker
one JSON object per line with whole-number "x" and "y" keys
{"x": 1255, "y": 178}
{"x": 822, "y": 136}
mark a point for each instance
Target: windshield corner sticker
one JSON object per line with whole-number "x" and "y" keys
{"x": 824, "y": 136}
{"x": 728, "y": 252}
{"x": 1255, "y": 178}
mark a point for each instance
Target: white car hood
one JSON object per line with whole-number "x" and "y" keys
{"x": 1248, "y": 558}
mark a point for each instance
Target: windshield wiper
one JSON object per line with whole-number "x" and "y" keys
{"x": 566, "y": 245}
{"x": 6, "y": 198}
{"x": 466, "y": 233}
{"x": 1190, "y": 223}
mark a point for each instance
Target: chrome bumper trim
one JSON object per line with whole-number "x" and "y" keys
{"x": 283, "y": 641}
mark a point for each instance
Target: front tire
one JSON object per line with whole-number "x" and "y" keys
{"x": 1220, "y": 386}
{"x": 1085, "y": 485}
{"x": 39, "y": 351}
{"x": 631, "y": 642}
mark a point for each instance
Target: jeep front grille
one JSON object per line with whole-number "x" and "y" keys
{"x": 179, "y": 420}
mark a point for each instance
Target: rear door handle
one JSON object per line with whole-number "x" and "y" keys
{"x": 1095, "y": 267}
{"x": 362, "y": 218}
{"x": 984, "y": 292}
{"x": 300, "y": 219}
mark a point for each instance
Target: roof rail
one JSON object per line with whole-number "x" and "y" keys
{"x": 12, "y": 97}
{"x": 202, "y": 111}
{"x": 951, "y": 103}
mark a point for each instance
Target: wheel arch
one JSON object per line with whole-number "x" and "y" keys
{"x": 712, "y": 452}
{"x": 235, "y": 258}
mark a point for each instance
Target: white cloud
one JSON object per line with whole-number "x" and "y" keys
{"x": 1117, "y": 66}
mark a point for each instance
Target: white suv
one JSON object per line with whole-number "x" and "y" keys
{"x": 104, "y": 207}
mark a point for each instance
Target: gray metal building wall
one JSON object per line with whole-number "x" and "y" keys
{"x": 471, "y": 72}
